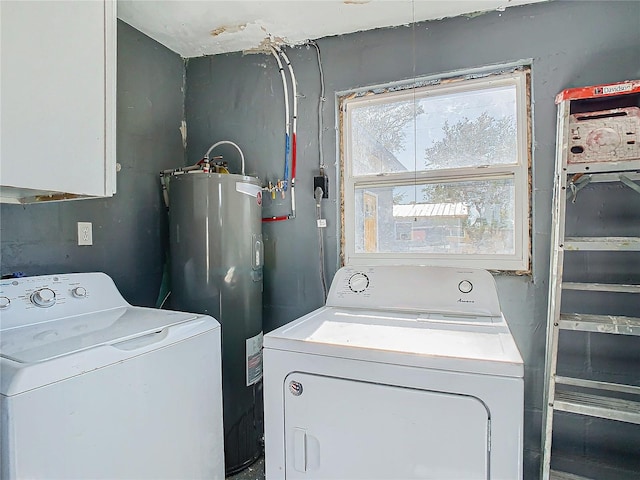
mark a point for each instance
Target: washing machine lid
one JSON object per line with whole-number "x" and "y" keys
{"x": 471, "y": 344}
{"x": 39, "y": 354}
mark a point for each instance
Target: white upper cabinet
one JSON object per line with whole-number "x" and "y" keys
{"x": 58, "y": 104}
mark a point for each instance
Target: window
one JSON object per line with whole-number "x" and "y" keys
{"x": 438, "y": 174}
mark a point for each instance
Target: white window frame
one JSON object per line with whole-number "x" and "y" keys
{"x": 518, "y": 261}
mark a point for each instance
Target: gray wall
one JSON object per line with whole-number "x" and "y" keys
{"x": 130, "y": 232}
{"x": 239, "y": 97}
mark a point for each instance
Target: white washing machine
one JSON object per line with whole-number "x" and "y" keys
{"x": 93, "y": 388}
{"x": 407, "y": 372}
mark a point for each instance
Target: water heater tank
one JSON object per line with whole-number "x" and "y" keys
{"x": 215, "y": 223}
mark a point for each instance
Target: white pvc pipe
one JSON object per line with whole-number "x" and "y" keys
{"x": 222, "y": 142}
{"x": 294, "y": 139}
{"x": 294, "y": 87}
{"x": 286, "y": 92}
{"x": 277, "y": 52}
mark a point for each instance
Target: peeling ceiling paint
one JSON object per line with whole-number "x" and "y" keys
{"x": 228, "y": 29}
{"x": 193, "y": 28}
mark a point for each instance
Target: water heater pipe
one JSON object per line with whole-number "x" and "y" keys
{"x": 294, "y": 86}
{"x": 277, "y": 52}
{"x": 287, "y": 131}
{"x": 173, "y": 171}
{"x": 222, "y": 142}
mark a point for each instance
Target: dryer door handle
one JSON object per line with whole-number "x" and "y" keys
{"x": 306, "y": 451}
{"x": 300, "y": 449}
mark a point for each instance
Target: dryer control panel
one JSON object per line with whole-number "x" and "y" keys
{"x": 465, "y": 291}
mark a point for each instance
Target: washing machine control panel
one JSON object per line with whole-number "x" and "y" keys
{"x": 417, "y": 288}
{"x": 49, "y": 297}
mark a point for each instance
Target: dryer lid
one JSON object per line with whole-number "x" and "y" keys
{"x": 472, "y": 344}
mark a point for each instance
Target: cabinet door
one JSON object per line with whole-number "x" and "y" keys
{"x": 58, "y": 102}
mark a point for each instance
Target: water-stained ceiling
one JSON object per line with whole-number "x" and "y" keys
{"x": 193, "y": 28}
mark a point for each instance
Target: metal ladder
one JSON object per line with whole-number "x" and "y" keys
{"x": 579, "y": 164}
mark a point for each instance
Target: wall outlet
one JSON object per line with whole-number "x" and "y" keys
{"x": 85, "y": 233}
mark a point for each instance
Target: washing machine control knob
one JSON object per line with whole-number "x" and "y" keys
{"x": 79, "y": 292}
{"x": 358, "y": 282}
{"x": 5, "y": 302}
{"x": 465, "y": 286}
{"x": 45, "y": 297}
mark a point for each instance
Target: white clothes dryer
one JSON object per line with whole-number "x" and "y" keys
{"x": 93, "y": 388}
{"x": 407, "y": 372}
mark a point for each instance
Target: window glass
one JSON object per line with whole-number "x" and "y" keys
{"x": 448, "y": 130}
{"x": 472, "y": 217}
{"x": 438, "y": 174}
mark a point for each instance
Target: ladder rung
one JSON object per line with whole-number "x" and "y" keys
{"x": 597, "y": 385}
{"x": 601, "y": 287}
{"x": 598, "y": 406}
{"x": 613, "y": 177}
{"x": 602, "y": 243}
{"x": 556, "y": 475}
{"x": 597, "y": 167}
{"x": 616, "y": 324}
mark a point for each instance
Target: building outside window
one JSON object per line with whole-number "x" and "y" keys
{"x": 438, "y": 173}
